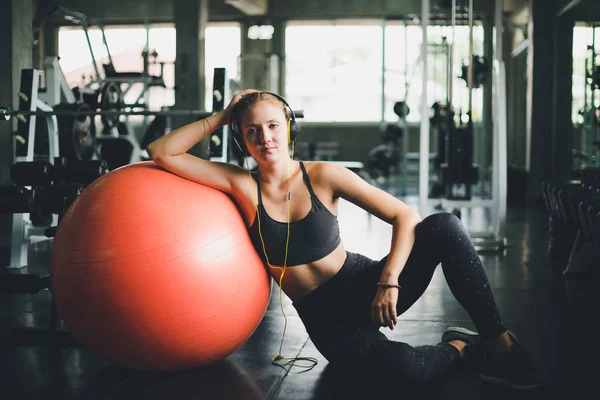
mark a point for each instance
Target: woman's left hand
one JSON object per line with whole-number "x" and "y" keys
{"x": 383, "y": 308}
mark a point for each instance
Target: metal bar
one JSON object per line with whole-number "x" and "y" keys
{"x": 567, "y": 8}
{"x": 450, "y": 203}
{"x": 499, "y": 156}
{"x": 470, "y": 69}
{"x": 424, "y": 132}
{"x": 521, "y": 47}
{"x": 65, "y": 113}
{"x": 593, "y": 66}
{"x": 383, "y": 39}
{"x": 84, "y": 26}
{"x": 7, "y": 113}
{"x": 596, "y": 128}
{"x": 450, "y": 83}
{"x": 499, "y": 34}
{"x": 500, "y": 150}
{"x": 105, "y": 42}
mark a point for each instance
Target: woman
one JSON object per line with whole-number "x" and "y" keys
{"x": 343, "y": 298}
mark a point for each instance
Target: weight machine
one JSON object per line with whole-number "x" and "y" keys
{"x": 29, "y": 201}
{"x": 44, "y": 187}
{"x": 111, "y": 77}
{"x": 589, "y": 153}
{"x": 23, "y": 228}
{"x": 492, "y": 236}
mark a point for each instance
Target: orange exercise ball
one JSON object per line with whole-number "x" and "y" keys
{"x": 156, "y": 272}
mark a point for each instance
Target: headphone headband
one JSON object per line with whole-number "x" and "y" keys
{"x": 237, "y": 134}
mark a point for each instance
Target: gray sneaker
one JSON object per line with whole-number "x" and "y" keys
{"x": 472, "y": 340}
{"x": 514, "y": 369}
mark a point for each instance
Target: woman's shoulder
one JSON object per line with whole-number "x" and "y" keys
{"x": 335, "y": 177}
{"x": 318, "y": 167}
{"x": 322, "y": 168}
{"x": 317, "y": 170}
{"x": 324, "y": 174}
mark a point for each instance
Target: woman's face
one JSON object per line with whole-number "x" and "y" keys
{"x": 264, "y": 130}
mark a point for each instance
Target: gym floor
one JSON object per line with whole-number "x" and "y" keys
{"x": 560, "y": 344}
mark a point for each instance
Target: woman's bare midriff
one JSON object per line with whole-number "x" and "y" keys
{"x": 300, "y": 280}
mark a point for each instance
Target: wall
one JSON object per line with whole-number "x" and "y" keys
{"x": 355, "y": 139}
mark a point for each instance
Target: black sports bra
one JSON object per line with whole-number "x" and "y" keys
{"x": 311, "y": 238}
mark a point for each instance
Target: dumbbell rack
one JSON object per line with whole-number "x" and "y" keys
{"x": 574, "y": 240}
{"x": 22, "y": 227}
{"x": 45, "y": 190}
{"x": 42, "y": 192}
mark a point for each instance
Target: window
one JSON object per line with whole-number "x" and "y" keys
{"x": 126, "y": 45}
{"x": 586, "y": 97}
{"x": 223, "y": 48}
{"x": 161, "y": 38}
{"x": 75, "y": 57}
{"x": 333, "y": 70}
{"x": 402, "y": 56}
{"x": 582, "y": 59}
{"x": 403, "y": 72}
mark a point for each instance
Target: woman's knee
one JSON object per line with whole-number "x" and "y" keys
{"x": 440, "y": 225}
{"x": 440, "y": 220}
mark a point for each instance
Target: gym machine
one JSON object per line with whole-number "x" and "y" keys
{"x": 490, "y": 237}
{"x": 43, "y": 191}
{"x": 588, "y": 155}
{"x": 115, "y": 148}
{"x": 574, "y": 241}
{"x": 114, "y": 79}
{"x": 40, "y": 142}
{"x": 24, "y": 224}
{"x": 390, "y": 156}
{"x": 45, "y": 184}
{"x": 454, "y": 136}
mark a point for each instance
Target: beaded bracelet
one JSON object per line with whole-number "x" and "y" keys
{"x": 389, "y": 285}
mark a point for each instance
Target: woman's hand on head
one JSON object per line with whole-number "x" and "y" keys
{"x": 383, "y": 308}
{"x": 237, "y": 97}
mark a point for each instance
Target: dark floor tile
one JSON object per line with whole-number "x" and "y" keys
{"x": 560, "y": 341}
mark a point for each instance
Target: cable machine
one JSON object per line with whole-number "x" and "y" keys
{"x": 458, "y": 164}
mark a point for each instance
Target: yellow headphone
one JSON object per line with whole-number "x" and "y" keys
{"x": 292, "y": 127}
{"x": 288, "y": 360}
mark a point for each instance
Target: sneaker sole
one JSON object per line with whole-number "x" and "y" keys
{"x": 461, "y": 330}
{"x": 499, "y": 381}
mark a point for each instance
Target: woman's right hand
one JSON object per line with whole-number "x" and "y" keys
{"x": 237, "y": 97}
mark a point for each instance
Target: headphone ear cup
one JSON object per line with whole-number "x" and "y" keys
{"x": 292, "y": 130}
{"x": 235, "y": 134}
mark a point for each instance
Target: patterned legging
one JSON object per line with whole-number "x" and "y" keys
{"x": 337, "y": 315}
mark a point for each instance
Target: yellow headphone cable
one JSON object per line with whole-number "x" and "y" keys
{"x": 288, "y": 361}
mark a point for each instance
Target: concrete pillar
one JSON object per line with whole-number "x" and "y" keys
{"x": 516, "y": 75}
{"x": 563, "y": 98}
{"x": 540, "y": 94}
{"x": 45, "y": 33}
{"x": 279, "y": 48}
{"x": 15, "y": 54}
{"x": 191, "y": 20}
{"x": 49, "y": 32}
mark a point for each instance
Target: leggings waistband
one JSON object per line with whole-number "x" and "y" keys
{"x": 345, "y": 279}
